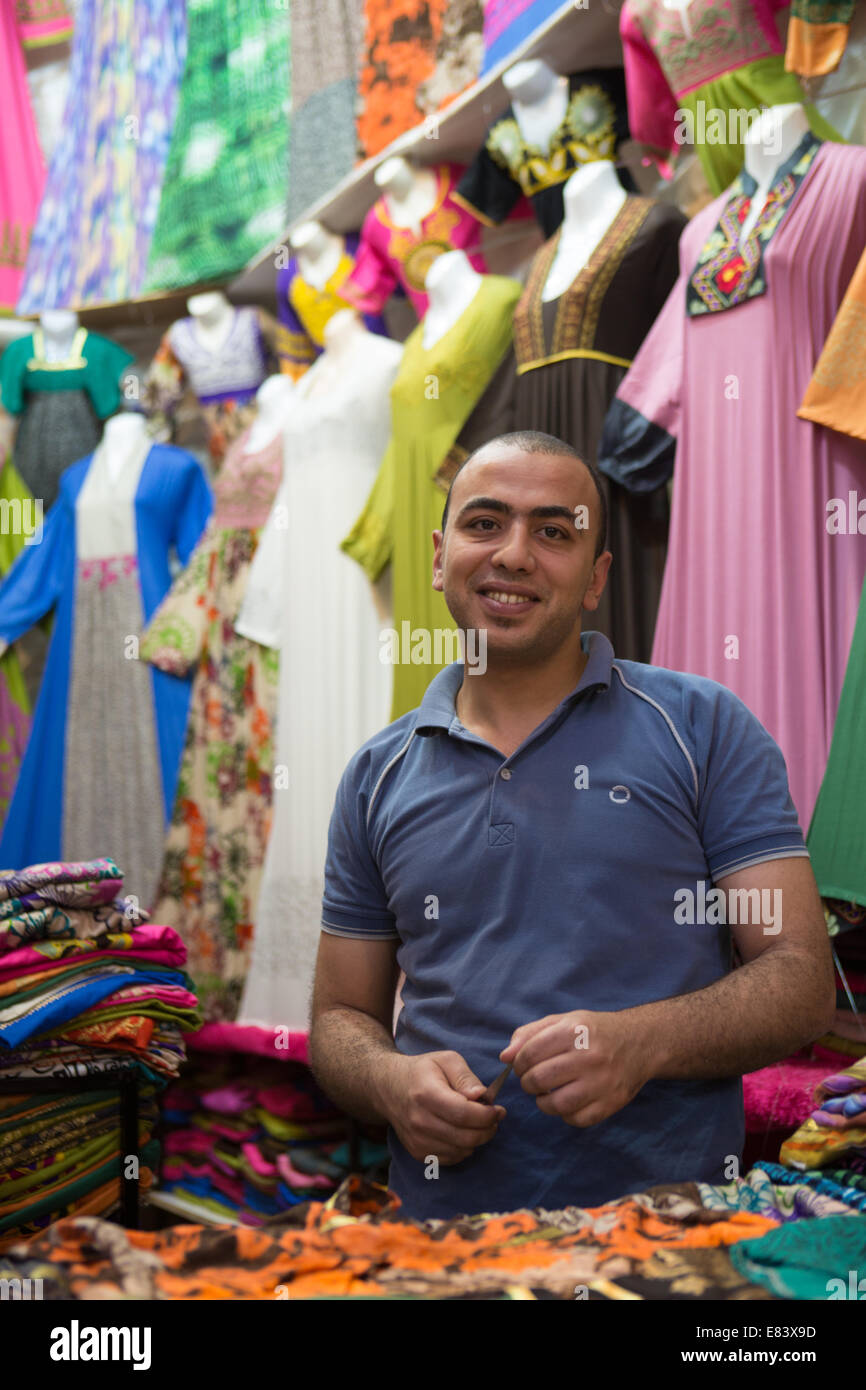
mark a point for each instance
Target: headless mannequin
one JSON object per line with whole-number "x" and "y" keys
{"x": 123, "y": 438}
{"x": 409, "y": 192}
{"x": 539, "y": 98}
{"x": 318, "y": 252}
{"x": 451, "y": 284}
{"x": 59, "y": 327}
{"x": 273, "y": 402}
{"x": 214, "y": 318}
{"x": 591, "y": 198}
{"x": 770, "y": 140}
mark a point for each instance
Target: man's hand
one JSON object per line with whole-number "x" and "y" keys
{"x": 581, "y": 1066}
{"x": 431, "y": 1101}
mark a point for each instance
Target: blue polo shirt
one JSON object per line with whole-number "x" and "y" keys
{"x": 545, "y": 882}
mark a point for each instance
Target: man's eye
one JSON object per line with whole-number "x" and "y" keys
{"x": 551, "y": 532}
{"x": 482, "y": 521}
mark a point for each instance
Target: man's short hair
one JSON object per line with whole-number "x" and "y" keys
{"x": 537, "y": 442}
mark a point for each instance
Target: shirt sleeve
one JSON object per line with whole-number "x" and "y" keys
{"x": 371, "y": 540}
{"x": 194, "y": 510}
{"x": 35, "y": 582}
{"x": 745, "y": 812}
{"x": 354, "y": 903}
{"x": 12, "y": 368}
{"x": 296, "y": 351}
{"x": 487, "y": 189}
{"x": 373, "y": 278}
{"x": 652, "y": 105}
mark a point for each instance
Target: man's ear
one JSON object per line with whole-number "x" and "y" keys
{"x": 438, "y": 546}
{"x": 595, "y": 589}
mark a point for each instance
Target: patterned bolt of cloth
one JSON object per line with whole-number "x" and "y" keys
{"x": 430, "y": 434}
{"x": 96, "y": 219}
{"x": 391, "y": 254}
{"x": 326, "y": 45}
{"x": 593, "y": 127}
{"x": 817, "y": 35}
{"x": 19, "y": 151}
{"x": 304, "y": 310}
{"x": 98, "y": 709}
{"x": 44, "y": 22}
{"x": 508, "y": 22}
{"x": 216, "y": 841}
{"x": 696, "y": 75}
{"x": 357, "y": 1244}
{"x": 807, "y": 1259}
{"x": 819, "y": 1143}
{"x": 224, "y": 380}
{"x": 786, "y": 657}
{"x": 223, "y": 196}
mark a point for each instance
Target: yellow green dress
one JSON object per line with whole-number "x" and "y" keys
{"x": 16, "y": 501}
{"x": 446, "y": 400}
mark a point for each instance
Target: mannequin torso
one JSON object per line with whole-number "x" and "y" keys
{"x": 592, "y": 198}
{"x": 770, "y": 141}
{"x": 539, "y": 99}
{"x": 59, "y": 327}
{"x": 318, "y": 252}
{"x": 409, "y": 192}
{"x": 452, "y": 283}
{"x": 273, "y": 402}
{"x": 213, "y": 317}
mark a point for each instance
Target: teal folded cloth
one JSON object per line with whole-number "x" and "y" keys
{"x": 823, "y": 1259}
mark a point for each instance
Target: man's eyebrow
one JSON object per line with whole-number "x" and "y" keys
{"x": 494, "y": 504}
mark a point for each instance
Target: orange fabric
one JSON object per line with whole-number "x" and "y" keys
{"x": 813, "y": 50}
{"x": 836, "y": 395}
{"x": 369, "y": 1250}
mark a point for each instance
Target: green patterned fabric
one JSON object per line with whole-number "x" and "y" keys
{"x": 823, "y": 1259}
{"x": 224, "y": 194}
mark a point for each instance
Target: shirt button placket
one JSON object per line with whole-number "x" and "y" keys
{"x": 500, "y": 832}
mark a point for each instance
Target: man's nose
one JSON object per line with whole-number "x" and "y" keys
{"x": 514, "y": 551}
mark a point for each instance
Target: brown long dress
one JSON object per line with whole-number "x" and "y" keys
{"x": 572, "y": 353}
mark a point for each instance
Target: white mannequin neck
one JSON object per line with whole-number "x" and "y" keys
{"x": 681, "y": 7}
{"x": 591, "y": 198}
{"x": 770, "y": 141}
{"x": 124, "y": 438}
{"x": 274, "y": 401}
{"x": 451, "y": 285}
{"x": 409, "y": 193}
{"x": 214, "y": 318}
{"x": 318, "y": 252}
{"x": 343, "y": 334}
{"x": 539, "y": 98}
{"x": 59, "y": 327}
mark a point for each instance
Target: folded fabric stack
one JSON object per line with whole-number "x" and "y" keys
{"x": 87, "y": 987}
{"x": 834, "y": 1135}
{"x": 247, "y": 1140}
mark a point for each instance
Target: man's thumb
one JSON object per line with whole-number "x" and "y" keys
{"x": 460, "y": 1076}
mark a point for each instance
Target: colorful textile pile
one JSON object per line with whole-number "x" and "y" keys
{"x": 358, "y": 1245}
{"x": 835, "y": 1133}
{"x": 87, "y": 987}
{"x": 247, "y": 1141}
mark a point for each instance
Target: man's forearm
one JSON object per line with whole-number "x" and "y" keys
{"x": 350, "y": 1054}
{"x": 753, "y": 1017}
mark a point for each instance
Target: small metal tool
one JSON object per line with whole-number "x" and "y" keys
{"x": 489, "y": 1096}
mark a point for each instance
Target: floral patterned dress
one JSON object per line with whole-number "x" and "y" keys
{"x": 216, "y": 841}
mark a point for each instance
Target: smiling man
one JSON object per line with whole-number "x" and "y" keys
{"x": 520, "y": 846}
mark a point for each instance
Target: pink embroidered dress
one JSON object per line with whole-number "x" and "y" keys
{"x": 390, "y": 255}
{"x": 697, "y": 72}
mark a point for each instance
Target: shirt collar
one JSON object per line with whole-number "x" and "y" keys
{"x": 436, "y": 710}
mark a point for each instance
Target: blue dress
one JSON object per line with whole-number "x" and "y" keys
{"x": 100, "y": 771}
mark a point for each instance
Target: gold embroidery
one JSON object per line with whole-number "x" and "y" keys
{"x": 587, "y": 133}
{"x": 448, "y": 468}
{"x": 579, "y": 307}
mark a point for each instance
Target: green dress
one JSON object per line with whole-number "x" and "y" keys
{"x": 224, "y": 193}
{"x": 445, "y": 401}
{"x": 837, "y": 835}
{"x": 15, "y": 501}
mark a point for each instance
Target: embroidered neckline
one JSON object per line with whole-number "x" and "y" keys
{"x": 581, "y": 139}
{"x": 578, "y": 307}
{"x": 73, "y": 362}
{"x": 730, "y": 270}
